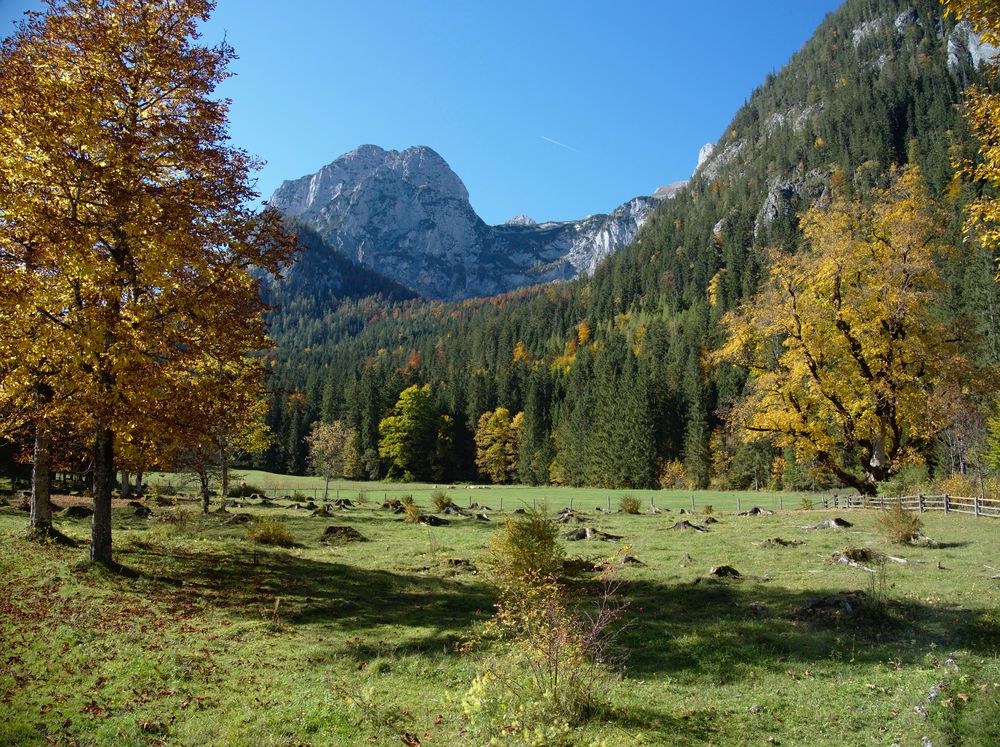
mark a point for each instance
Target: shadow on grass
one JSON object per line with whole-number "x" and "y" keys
{"x": 724, "y": 630}
{"x": 246, "y": 583}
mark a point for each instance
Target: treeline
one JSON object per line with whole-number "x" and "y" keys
{"x": 611, "y": 372}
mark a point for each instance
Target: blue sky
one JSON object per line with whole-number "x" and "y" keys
{"x": 628, "y": 92}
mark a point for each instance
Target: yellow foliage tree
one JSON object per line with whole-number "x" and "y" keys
{"x": 983, "y": 114}
{"x": 498, "y": 440}
{"x": 843, "y": 351}
{"x": 125, "y": 219}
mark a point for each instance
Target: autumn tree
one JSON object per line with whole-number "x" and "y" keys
{"x": 211, "y": 415}
{"x": 982, "y": 112}
{"x": 409, "y": 435}
{"x": 125, "y": 215}
{"x": 843, "y": 350}
{"x": 331, "y": 451}
{"x": 498, "y": 442}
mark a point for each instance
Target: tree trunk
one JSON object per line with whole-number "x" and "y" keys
{"x": 104, "y": 477}
{"x": 224, "y": 487}
{"x": 326, "y": 487}
{"x": 41, "y": 507}
{"x": 205, "y": 495}
{"x": 138, "y": 483}
{"x": 126, "y": 485}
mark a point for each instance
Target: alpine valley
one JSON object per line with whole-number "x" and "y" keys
{"x": 600, "y": 330}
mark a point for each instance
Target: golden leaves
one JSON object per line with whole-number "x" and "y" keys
{"x": 841, "y": 346}
{"x": 122, "y": 201}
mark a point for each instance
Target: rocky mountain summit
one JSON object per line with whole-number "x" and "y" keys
{"x": 407, "y": 215}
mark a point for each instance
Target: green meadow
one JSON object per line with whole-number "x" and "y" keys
{"x": 205, "y": 638}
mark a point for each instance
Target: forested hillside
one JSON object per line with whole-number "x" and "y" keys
{"x": 612, "y": 372}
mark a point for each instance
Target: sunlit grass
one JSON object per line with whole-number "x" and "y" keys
{"x": 220, "y": 641}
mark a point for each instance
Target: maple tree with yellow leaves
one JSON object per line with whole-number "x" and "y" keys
{"x": 844, "y": 354}
{"x": 982, "y": 111}
{"x": 127, "y": 230}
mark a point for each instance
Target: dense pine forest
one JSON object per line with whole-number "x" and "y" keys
{"x": 612, "y": 372}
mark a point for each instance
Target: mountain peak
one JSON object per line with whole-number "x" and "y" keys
{"x": 420, "y": 167}
{"x": 407, "y": 215}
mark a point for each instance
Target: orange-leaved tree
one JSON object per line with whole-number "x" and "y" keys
{"x": 844, "y": 353}
{"x": 123, "y": 202}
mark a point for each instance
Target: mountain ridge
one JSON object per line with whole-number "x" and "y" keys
{"x": 407, "y": 215}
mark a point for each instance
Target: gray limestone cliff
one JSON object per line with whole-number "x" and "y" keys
{"x": 407, "y": 215}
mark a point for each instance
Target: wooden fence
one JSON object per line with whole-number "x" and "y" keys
{"x": 976, "y": 506}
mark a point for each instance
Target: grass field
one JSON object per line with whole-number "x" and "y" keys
{"x": 510, "y": 496}
{"x": 213, "y": 640}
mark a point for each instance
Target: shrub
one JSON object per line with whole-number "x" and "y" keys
{"x": 162, "y": 490}
{"x": 966, "y": 486}
{"x": 362, "y": 499}
{"x": 806, "y": 504}
{"x": 525, "y": 545}
{"x": 298, "y": 495}
{"x": 411, "y": 513}
{"x": 406, "y": 500}
{"x": 628, "y": 504}
{"x": 270, "y": 532}
{"x": 178, "y": 518}
{"x": 546, "y": 669}
{"x": 440, "y": 500}
{"x": 245, "y": 490}
{"x": 707, "y": 509}
{"x": 897, "y": 525}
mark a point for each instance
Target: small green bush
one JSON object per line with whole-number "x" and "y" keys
{"x": 162, "y": 490}
{"x": 178, "y": 518}
{"x": 527, "y": 544}
{"x": 270, "y": 532}
{"x": 897, "y": 525}
{"x": 298, "y": 495}
{"x": 628, "y": 504}
{"x": 411, "y": 511}
{"x": 806, "y": 504}
{"x": 549, "y": 663}
{"x": 406, "y": 500}
{"x": 708, "y": 509}
{"x": 245, "y": 490}
{"x": 362, "y": 499}
{"x": 440, "y": 500}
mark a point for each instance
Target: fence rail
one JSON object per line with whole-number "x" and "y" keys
{"x": 975, "y": 506}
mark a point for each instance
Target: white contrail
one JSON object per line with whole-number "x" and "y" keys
{"x": 561, "y": 145}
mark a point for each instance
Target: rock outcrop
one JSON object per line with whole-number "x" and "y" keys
{"x": 407, "y": 215}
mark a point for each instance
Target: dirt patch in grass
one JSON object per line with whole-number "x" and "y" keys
{"x": 342, "y": 535}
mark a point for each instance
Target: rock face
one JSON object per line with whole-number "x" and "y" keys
{"x": 965, "y": 44}
{"x": 407, "y": 215}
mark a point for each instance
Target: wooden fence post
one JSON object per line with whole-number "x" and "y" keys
{"x": 975, "y": 505}
{"x": 947, "y": 506}
{"x": 738, "y": 504}
{"x": 609, "y": 504}
{"x": 835, "y": 501}
{"x": 920, "y": 502}
{"x": 692, "y": 504}
{"x": 781, "y": 503}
